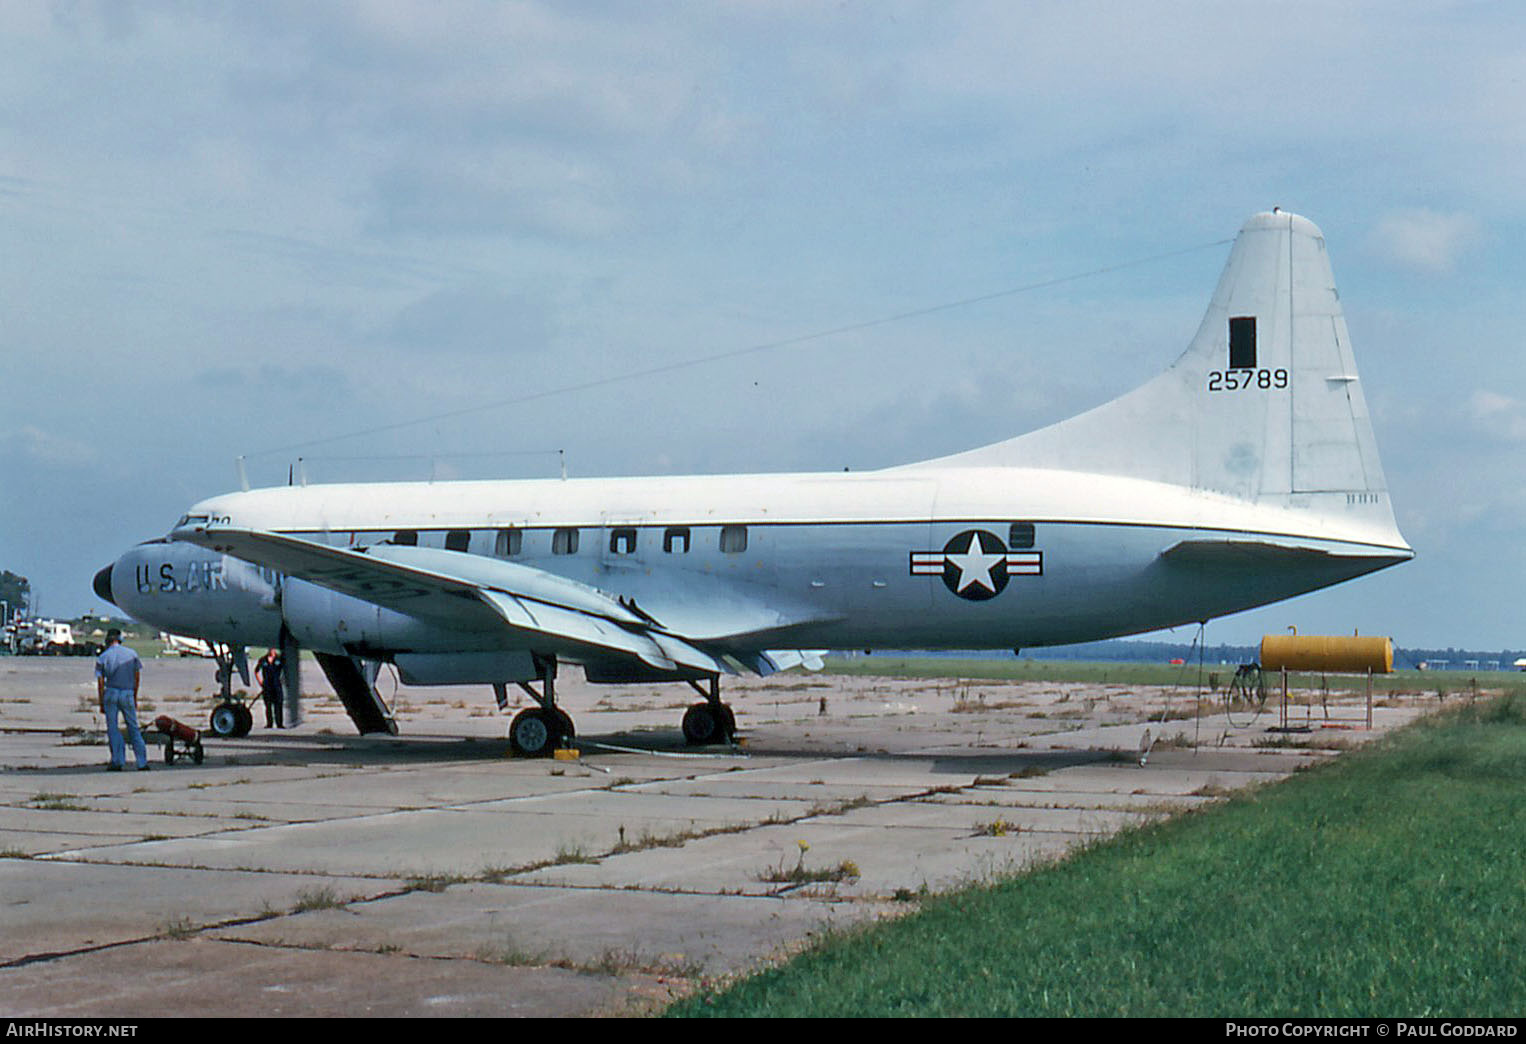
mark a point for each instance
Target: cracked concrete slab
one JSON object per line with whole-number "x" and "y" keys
{"x": 58, "y": 907}
{"x": 211, "y": 977}
{"x": 688, "y": 934}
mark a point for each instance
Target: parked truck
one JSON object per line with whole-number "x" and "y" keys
{"x": 50, "y": 638}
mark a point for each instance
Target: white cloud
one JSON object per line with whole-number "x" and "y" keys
{"x": 34, "y": 444}
{"x": 1427, "y": 240}
{"x": 1498, "y": 416}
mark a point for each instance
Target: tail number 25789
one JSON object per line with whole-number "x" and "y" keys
{"x": 1235, "y": 380}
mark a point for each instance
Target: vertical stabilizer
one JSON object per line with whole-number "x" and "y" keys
{"x": 1265, "y": 405}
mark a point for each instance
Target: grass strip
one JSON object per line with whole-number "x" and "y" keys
{"x": 1087, "y": 672}
{"x": 1391, "y": 882}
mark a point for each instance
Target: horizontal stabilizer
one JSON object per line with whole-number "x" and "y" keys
{"x": 1231, "y": 553}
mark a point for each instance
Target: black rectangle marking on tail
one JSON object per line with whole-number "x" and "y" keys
{"x": 1242, "y": 343}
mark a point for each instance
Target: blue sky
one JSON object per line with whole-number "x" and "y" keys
{"x": 236, "y": 228}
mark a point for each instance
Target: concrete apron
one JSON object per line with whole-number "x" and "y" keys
{"x": 312, "y": 872}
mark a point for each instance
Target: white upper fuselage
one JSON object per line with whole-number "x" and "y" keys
{"x": 904, "y": 495}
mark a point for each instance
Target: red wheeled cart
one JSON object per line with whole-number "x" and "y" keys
{"x": 189, "y": 738}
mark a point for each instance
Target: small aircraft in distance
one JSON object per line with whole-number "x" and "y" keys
{"x": 180, "y": 645}
{"x": 1245, "y": 473}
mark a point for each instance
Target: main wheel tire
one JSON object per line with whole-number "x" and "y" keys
{"x": 533, "y": 733}
{"x": 702, "y": 726}
{"x": 197, "y": 754}
{"x": 566, "y": 730}
{"x": 245, "y": 720}
{"x": 225, "y": 720}
{"x": 169, "y": 754}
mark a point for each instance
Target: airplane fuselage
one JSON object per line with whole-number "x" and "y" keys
{"x": 936, "y": 558}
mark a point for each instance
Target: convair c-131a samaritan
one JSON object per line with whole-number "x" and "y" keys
{"x": 1246, "y": 473}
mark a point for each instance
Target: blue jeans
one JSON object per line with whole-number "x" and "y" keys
{"x": 121, "y": 701}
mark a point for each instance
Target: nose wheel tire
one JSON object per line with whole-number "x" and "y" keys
{"x": 231, "y": 720}
{"x": 224, "y": 721}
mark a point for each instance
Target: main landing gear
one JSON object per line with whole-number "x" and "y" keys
{"x": 712, "y": 721}
{"x": 538, "y": 731}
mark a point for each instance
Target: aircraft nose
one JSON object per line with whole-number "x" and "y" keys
{"x": 102, "y": 585}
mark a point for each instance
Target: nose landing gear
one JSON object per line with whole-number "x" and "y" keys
{"x": 230, "y": 718}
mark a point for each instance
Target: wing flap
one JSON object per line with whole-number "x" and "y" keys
{"x": 578, "y": 628}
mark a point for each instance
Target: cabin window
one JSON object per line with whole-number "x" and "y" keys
{"x": 508, "y": 542}
{"x": 406, "y": 537}
{"x": 622, "y": 541}
{"x": 564, "y": 542}
{"x": 458, "y": 540}
{"x": 1020, "y": 536}
{"x": 733, "y": 539}
{"x": 675, "y": 540}
{"x": 1242, "y": 343}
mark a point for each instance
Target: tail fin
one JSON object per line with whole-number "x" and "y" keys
{"x": 1264, "y": 405}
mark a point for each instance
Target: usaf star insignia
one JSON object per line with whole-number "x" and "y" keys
{"x": 976, "y": 564}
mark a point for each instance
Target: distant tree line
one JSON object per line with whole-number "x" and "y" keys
{"x": 16, "y": 592}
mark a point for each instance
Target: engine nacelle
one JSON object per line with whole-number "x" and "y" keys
{"x": 184, "y": 589}
{"x": 326, "y": 621}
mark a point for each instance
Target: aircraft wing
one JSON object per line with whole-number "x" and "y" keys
{"x": 534, "y": 608}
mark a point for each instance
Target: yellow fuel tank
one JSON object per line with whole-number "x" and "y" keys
{"x": 1354, "y": 654}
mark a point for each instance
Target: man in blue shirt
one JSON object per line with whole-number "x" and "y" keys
{"x": 117, "y": 671}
